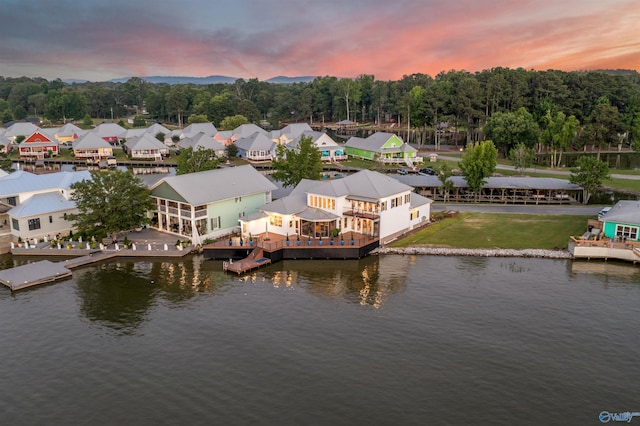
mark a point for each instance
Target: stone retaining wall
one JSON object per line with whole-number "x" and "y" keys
{"x": 440, "y": 251}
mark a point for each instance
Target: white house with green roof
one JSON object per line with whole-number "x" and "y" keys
{"x": 366, "y": 202}
{"x": 209, "y": 204}
{"x": 383, "y": 147}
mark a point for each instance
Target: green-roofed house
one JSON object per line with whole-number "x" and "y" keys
{"x": 386, "y": 148}
{"x": 209, "y": 204}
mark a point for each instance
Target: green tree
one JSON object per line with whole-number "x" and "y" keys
{"x": 444, "y": 172}
{"x": 87, "y": 121}
{"x": 589, "y": 174}
{"x": 190, "y": 161}
{"x": 507, "y": 129}
{"x": 478, "y": 163}
{"x": 5, "y": 163}
{"x": 291, "y": 166}
{"x": 232, "y": 122}
{"x": 521, "y": 157}
{"x": 109, "y": 203}
{"x": 139, "y": 121}
{"x": 197, "y": 118}
{"x": 231, "y": 151}
{"x": 558, "y": 132}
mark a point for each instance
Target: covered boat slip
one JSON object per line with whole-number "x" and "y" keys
{"x": 498, "y": 189}
{"x": 32, "y": 274}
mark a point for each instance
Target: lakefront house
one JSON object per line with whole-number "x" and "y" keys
{"x": 208, "y": 204}
{"x": 366, "y": 202}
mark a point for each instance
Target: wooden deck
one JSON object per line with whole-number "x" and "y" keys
{"x": 255, "y": 260}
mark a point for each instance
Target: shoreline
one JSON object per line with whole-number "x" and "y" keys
{"x": 442, "y": 251}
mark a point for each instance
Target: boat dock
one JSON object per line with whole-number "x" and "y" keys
{"x": 255, "y": 260}
{"x": 32, "y": 274}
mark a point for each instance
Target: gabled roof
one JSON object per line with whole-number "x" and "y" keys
{"x": 290, "y": 131}
{"x": 201, "y": 141}
{"x": 418, "y": 200}
{"x": 20, "y": 129}
{"x": 68, "y": 130}
{"x": 256, "y": 142}
{"x": 291, "y": 204}
{"x": 156, "y": 128}
{"x": 216, "y": 185}
{"x": 320, "y": 139}
{"x": 39, "y": 137}
{"x": 192, "y": 129}
{"x": 146, "y": 141}
{"x": 365, "y": 185}
{"x": 625, "y": 211}
{"x": 375, "y": 142}
{"x": 246, "y": 130}
{"x": 20, "y": 181}
{"x": 90, "y": 141}
{"x": 109, "y": 130}
{"x": 42, "y": 203}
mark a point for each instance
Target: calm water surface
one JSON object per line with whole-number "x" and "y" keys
{"x": 391, "y": 340}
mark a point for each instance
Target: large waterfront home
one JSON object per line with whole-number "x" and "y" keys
{"x": 209, "y": 204}
{"x": 36, "y": 206}
{"x": 382, "y": 147}
{"x": 367, "y": 202}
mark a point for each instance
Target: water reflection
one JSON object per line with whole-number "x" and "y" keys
{"x": 368, "y": 281}
{"x": 115, "y": 295}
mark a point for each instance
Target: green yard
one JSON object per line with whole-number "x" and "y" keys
{"x": 506, "y": 231}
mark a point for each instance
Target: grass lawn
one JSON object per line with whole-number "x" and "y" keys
{"x": 506, "y": 231}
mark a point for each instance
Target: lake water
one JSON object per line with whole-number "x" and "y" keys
{"x": 390, "y": 340}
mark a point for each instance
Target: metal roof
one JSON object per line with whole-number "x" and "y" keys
{"x": 48, "y": 202}
{"x": 20, "y": 181}
{"x": 418, "y": 200}
{"x": 219, "y": 184}
{"x": 494, "y": 182}
{"x": 625, "y": 211}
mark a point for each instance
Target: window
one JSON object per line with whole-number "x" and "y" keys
{"x": 275, "y": 220}
{"x": 238, "y": 199}
{"x": 34, "y": 224}
{"x": 383, "y": 206}
{"x": 15, "y": 224}
{"x": 50, "y": 219}
{"x": 407, "y": 198}
{"x": 215, "y": 222}
{"x": 11, "y": 201}
{"x": 628, "y": 232}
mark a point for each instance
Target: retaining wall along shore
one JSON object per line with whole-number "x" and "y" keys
{"x": 441, "y": 251}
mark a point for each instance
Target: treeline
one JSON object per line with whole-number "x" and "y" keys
{"x": 604, "y": 104}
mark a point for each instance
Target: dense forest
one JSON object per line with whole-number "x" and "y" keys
{"x": 553, "y": 109}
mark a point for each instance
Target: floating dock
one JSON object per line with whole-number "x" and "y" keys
{"x": 255, "y": 260}
{"x": 33, "y": 274}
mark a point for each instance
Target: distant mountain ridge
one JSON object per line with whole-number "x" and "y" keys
{"x": 212, "y": 79}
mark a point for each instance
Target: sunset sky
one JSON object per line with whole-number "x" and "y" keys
{"x": 101, "y": 40}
